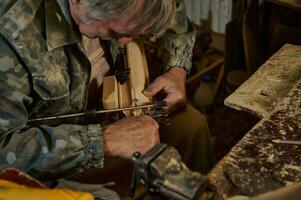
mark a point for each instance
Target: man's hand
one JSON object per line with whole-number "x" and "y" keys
{"x": 131, "y": 134}
{"x": 173, "y": 83}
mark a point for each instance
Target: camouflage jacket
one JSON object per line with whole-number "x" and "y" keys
{"x": 44, "y": 72}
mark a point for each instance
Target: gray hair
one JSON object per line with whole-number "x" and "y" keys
{"x": 156, "y": 15}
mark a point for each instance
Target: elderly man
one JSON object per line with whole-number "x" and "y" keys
{"x": 44, "y": 71}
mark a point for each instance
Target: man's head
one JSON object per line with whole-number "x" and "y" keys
{"x": 122, "y": 19}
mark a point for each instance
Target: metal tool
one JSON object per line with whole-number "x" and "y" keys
{"x": 158, "y": 105}
{"x": 162, "y": 171}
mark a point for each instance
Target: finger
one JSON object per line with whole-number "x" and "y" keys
{"x": 171, "y": 100}
{"x": 153, "y": 88}
{"x": 174, "y": 101}
{"x": 146, "y": 119}
{"x": 156, "y": 138}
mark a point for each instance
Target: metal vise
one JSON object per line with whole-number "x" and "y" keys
{"x": 162, "y": 171}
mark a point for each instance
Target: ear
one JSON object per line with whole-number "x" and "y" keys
{"x": 77, "y": 9}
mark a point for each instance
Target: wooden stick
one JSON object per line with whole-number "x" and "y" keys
{"x": 287, "y": 141}
{"x": 92, "y": 112}
{"x": 202, "y": 72}
{"x": 219, "y": 79}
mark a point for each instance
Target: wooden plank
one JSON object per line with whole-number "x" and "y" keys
{"x": 257, "y": 165}
{"x": 219, "y": 79}
{"x": 197, "y": 76}
{"x": 110, "y": 96}
{"x": 269, "y": 84}
{"x": 138, "y": 76}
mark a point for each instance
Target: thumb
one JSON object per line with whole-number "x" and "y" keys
{"x": 153, "y": 89}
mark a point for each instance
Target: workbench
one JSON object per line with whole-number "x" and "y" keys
{"x": 256, "y": 164}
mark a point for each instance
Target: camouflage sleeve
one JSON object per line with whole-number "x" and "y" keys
{"x": 176, "y": 44}
{"x": 44, "y": 152}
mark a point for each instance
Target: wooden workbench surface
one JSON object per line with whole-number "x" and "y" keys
{"x": 269, "y": 84}
{"x": 256, "y": 165}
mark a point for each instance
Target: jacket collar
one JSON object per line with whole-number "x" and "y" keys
{"x": 58, "y": 31}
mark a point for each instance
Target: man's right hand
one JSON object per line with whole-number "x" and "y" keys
{"x": 129, "y": 135}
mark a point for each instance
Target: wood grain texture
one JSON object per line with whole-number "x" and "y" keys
{"x": 110, "y": 96}
{"x": 129, "y": 93}
{"x": 269, "y": 84}
{"x": 256, "y": 164}
{"x": 138, "y": 76}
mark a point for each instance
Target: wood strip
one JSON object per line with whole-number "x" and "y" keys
{"x": 137, "y": 74}
{"x": 196, "y": 76}
{"x": 110, "y": 96}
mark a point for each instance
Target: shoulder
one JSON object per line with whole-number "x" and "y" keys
{"x": 180, "y": 24}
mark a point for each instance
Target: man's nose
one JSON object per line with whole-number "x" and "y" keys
{"x": 125, "y": 40}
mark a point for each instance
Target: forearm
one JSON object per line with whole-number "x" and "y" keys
{"x": 43, "y": 151}
{"x": 179, "y": 72}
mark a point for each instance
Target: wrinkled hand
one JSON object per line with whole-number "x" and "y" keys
{"x": 131, "y": 134}
{"x": 173, "y": 83}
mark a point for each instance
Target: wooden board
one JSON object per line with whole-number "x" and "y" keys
{"x": 110, "y": 96}
{"x": 269, "y": 84}
{"x": 257, "y": 165}
{"x": 138, "y": 74}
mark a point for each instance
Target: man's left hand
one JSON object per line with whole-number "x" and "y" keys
{"x": 173, "y": 83}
